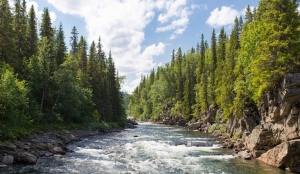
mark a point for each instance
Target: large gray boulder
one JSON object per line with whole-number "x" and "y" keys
{"x": 261, "y": 138}
{"x": 194, "y": 126}
{"x": 284, "y": 155}
{"x": 8, "y": 159}
{"x": 25, "y": 157}
{"x": 211, "y": 114}
{"x": 57, "y": 150}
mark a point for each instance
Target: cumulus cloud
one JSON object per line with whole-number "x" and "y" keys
{"x": 175, "y": 18}
{"x": 121, "y": 26}
{"x": 222, "y": 17}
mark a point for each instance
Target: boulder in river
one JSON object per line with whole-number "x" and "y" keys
{"x": 57, "y": 150}
{"x": 181, "y": 122}
{"x": 194, "y": 126}
{"x": 25, "y": 157}
{"x": 286, "y": 154}
{"x": 8, "y": 159}
{"x": 245, "y": 155}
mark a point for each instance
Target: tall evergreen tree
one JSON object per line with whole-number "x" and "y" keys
{"x": 31, "y": 36}
{"x": 227, "y": 93}
{"x": 74, "y": 41}
{"x": 7, "y": 46}
{"x": 20, "y": 25}
{"x": 60, "y": 46}
{"x": 214, "y": 64}
{"x": 82, "y": 54}
{"x": 188, "y": 93}
{"x": 278, "y": 50}
{"x": 179, "y": 76}
{"x": 46, "y": 29}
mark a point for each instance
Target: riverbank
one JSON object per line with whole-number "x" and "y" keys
{"x": 268, "y": 131}
{"x": 27, "y": 150}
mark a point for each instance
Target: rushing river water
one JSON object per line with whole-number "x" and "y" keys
{"x": 149, "y": 149}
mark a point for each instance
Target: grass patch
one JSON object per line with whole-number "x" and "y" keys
{"x": 13, "y": 133}
{"x": 212, "y": 128}
{"x": 235, "y": 136}
{"x": 222, "y": 128}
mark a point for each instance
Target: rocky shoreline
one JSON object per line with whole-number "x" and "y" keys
{"x": 27, "y": 150}
{"x": 268, "y": 132}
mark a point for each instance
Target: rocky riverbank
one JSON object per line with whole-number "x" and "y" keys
{"x": 268, "y": 131}
{"x": 27, "y": 150}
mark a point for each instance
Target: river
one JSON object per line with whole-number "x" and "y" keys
{"x": 150, "y": 148}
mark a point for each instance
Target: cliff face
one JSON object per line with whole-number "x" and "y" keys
{"x": 276, "y": 140}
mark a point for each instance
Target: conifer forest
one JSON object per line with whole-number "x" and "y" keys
{"x": 225, "y": 70}
{"x": 41, "y": 83}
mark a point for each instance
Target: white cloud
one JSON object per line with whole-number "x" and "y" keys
{"x": 121, "y": 26}
{"x": 222, "y": 17}
{"x": 177, "y": 15}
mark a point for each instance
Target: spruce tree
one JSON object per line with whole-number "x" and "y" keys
{"x": 214, "y": 65}
{"x": 74, "y": 41}
{"x": 278, "y": 52}
{"x": 60, "y": 46}
{"x": 7, "y": 46}
{"x": 31, "y": 35}
{"x": 179, "y": 76}
{"x": 20, "y": 25}
{"x": 46, "y": 25}
{"x": 82, "y": 54}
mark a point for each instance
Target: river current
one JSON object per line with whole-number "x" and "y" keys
{"x": 150, "y": 148}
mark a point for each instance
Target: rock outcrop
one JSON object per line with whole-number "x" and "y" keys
{"x": 27, "y": 150}
{"x": 284, "y": 155}
{"x": 276, "y": 140}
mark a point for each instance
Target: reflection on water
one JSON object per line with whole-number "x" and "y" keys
{"x": 148, "y": 149}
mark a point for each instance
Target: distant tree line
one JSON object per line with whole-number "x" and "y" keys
{"x": 42, "y": 83}
{"x": 230, "y": 72}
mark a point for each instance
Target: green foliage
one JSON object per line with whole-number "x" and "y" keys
{"x": 13, "y": 102}
{"x": 235, "y": 136}
{"x": 222, "y": 128}
{"x": 231, "y": 73}
{"x": 41, "y": 84}
{"x": 212, "y": 128}
{"x": 278, "y": 50}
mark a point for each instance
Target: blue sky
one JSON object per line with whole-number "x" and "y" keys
{"x": 142, "y": 33}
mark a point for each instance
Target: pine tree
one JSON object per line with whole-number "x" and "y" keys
{"x": 31, "y": 36}
{"x": 82, "y": 54}
{"x": 20, "y": 27}
{"x": 249, "y": 15}
{"x": 7, "y": 46}
{"x": 199, "y": 78}
{"x": 60, "y": 46}
{"x": 278, "y": 50}
{"x": 46, "y": 29}
{"x": 214, "y": 65}
{"x": 74, "y": 41}
{"x": 179, "y": 77}
{"x": 188, "y": 93}
{"x": 227, "y": 93}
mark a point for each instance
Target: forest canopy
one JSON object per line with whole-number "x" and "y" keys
{"x": 42, "y": 83}
{"x": 229, "y": 71}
